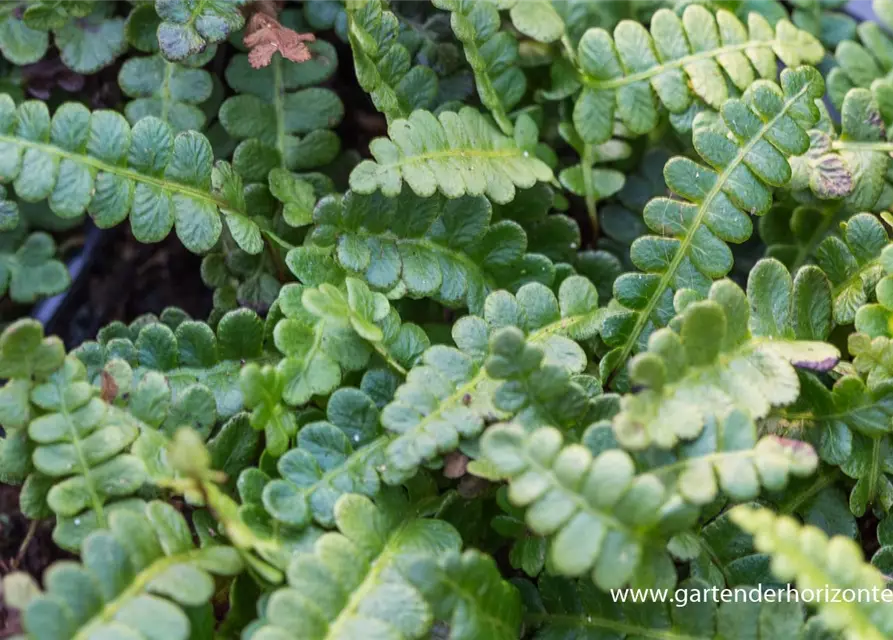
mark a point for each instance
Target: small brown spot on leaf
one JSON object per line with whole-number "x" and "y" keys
{"x": 109, "y": 388}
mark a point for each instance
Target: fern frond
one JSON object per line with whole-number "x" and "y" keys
{"x": 563, "y": 489}
{"x": 729, "y": 351}
{"x": 563, "y": 609}
{"x": 450, "y": 250}
{"x": 329, "y": 330}
{"x": 454, "y": 153}
{"x": 77, "y": 442}
{"x": 189, "y": 27}
{"x": 384, "y": 66}
{"x": 29, "y": 268}
{"x": 468, "y": 593}
{"x": 864, "y": 63}
{"x": 450, "y": 394}
{"x": 851, "y": 427}
{"x": 492, "y": 54}
{"x": 768, "y": 125}
{"x": 853, "y": 264}
{"x": 197, "y": 364}
{"x": 95, "y": 162}
{"x": 332, "y": 457}
{"x": 280, "y": 118}
{"x": 350, "y": 583}
{"x": 630, "y": 74}
{"x": 165, "y": 90}
{"x": 143, "y": 577}
{"x": 807, "y": 555}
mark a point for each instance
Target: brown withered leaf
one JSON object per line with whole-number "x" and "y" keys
{"x": 264, "y": 36}
{"x": 109, "y": 387}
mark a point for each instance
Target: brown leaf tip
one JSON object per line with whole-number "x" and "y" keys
{"x": 265, "y": 36}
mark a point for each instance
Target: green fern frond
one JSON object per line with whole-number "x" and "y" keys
{"x": 141, "y": 577}
{"x": 729, "y": 351}
{"x": 189, "y": 27}
{"x": 342, "y": 454}
{"x": 630, "y": 74}
{"x": 95, "y": 162}
{"x": 564, "y": 490}
{"x": 350, "y": 584}
{"x": 768, "y": 126}
{"x": 492, "y": 54}
{"x": 165, "y": 90}
{"x": 850, "y": 426}
{"x": 467, "y": 591}
{"x": 454, "y": 153}
{"x": 196, "y": 363}
{"x": 329, "y": 330}
{"x": 807, "y": 555}
{"x": 280, "y": 117}
{"x": 452, "y": 392}
{"x": 853, "y": 264}
{"x": 29, "y": 268}
{"x": 77, "y": 443}
{"x": 450, "y": 250}
{"x": 383, "y": 64}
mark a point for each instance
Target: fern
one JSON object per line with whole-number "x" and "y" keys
{"x": 815, "y": 562}
{"x": 279, "y": 117}
{"x": 853, "y": 264}
{"x": 450, "y": 394}
{"x": 491, "y": 53}
{"x": 165, "y": 90}
{"x": 623, "y": 75}
{"x": 767, "y": 128}
{"x": 608, "y": 519}
{"x": 94, "y": 161}
{"x": 718, "y": 356}
{"x": 450, "y": 250}
{"x": 454, "y": 153}
{"x": 29, "y": 268}
{"x": 333, "y": 590}
{"x": 467, "y": 591}
{"x": 328, "y": 331}
{"x": 384, "y": 66}
{"x": 196, "y": 364}
{"x": 142, "y": 576}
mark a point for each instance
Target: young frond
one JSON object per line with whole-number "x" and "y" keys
{"x": 454, "y": 153}
{"x": 729, "y": 351}
{"x": 806, "y": 555}
{"x": 82, "y": 161}
{"x": 629, "y": 75}
{"x": 748, "y": 149}
{"x": 141, "y": 576}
